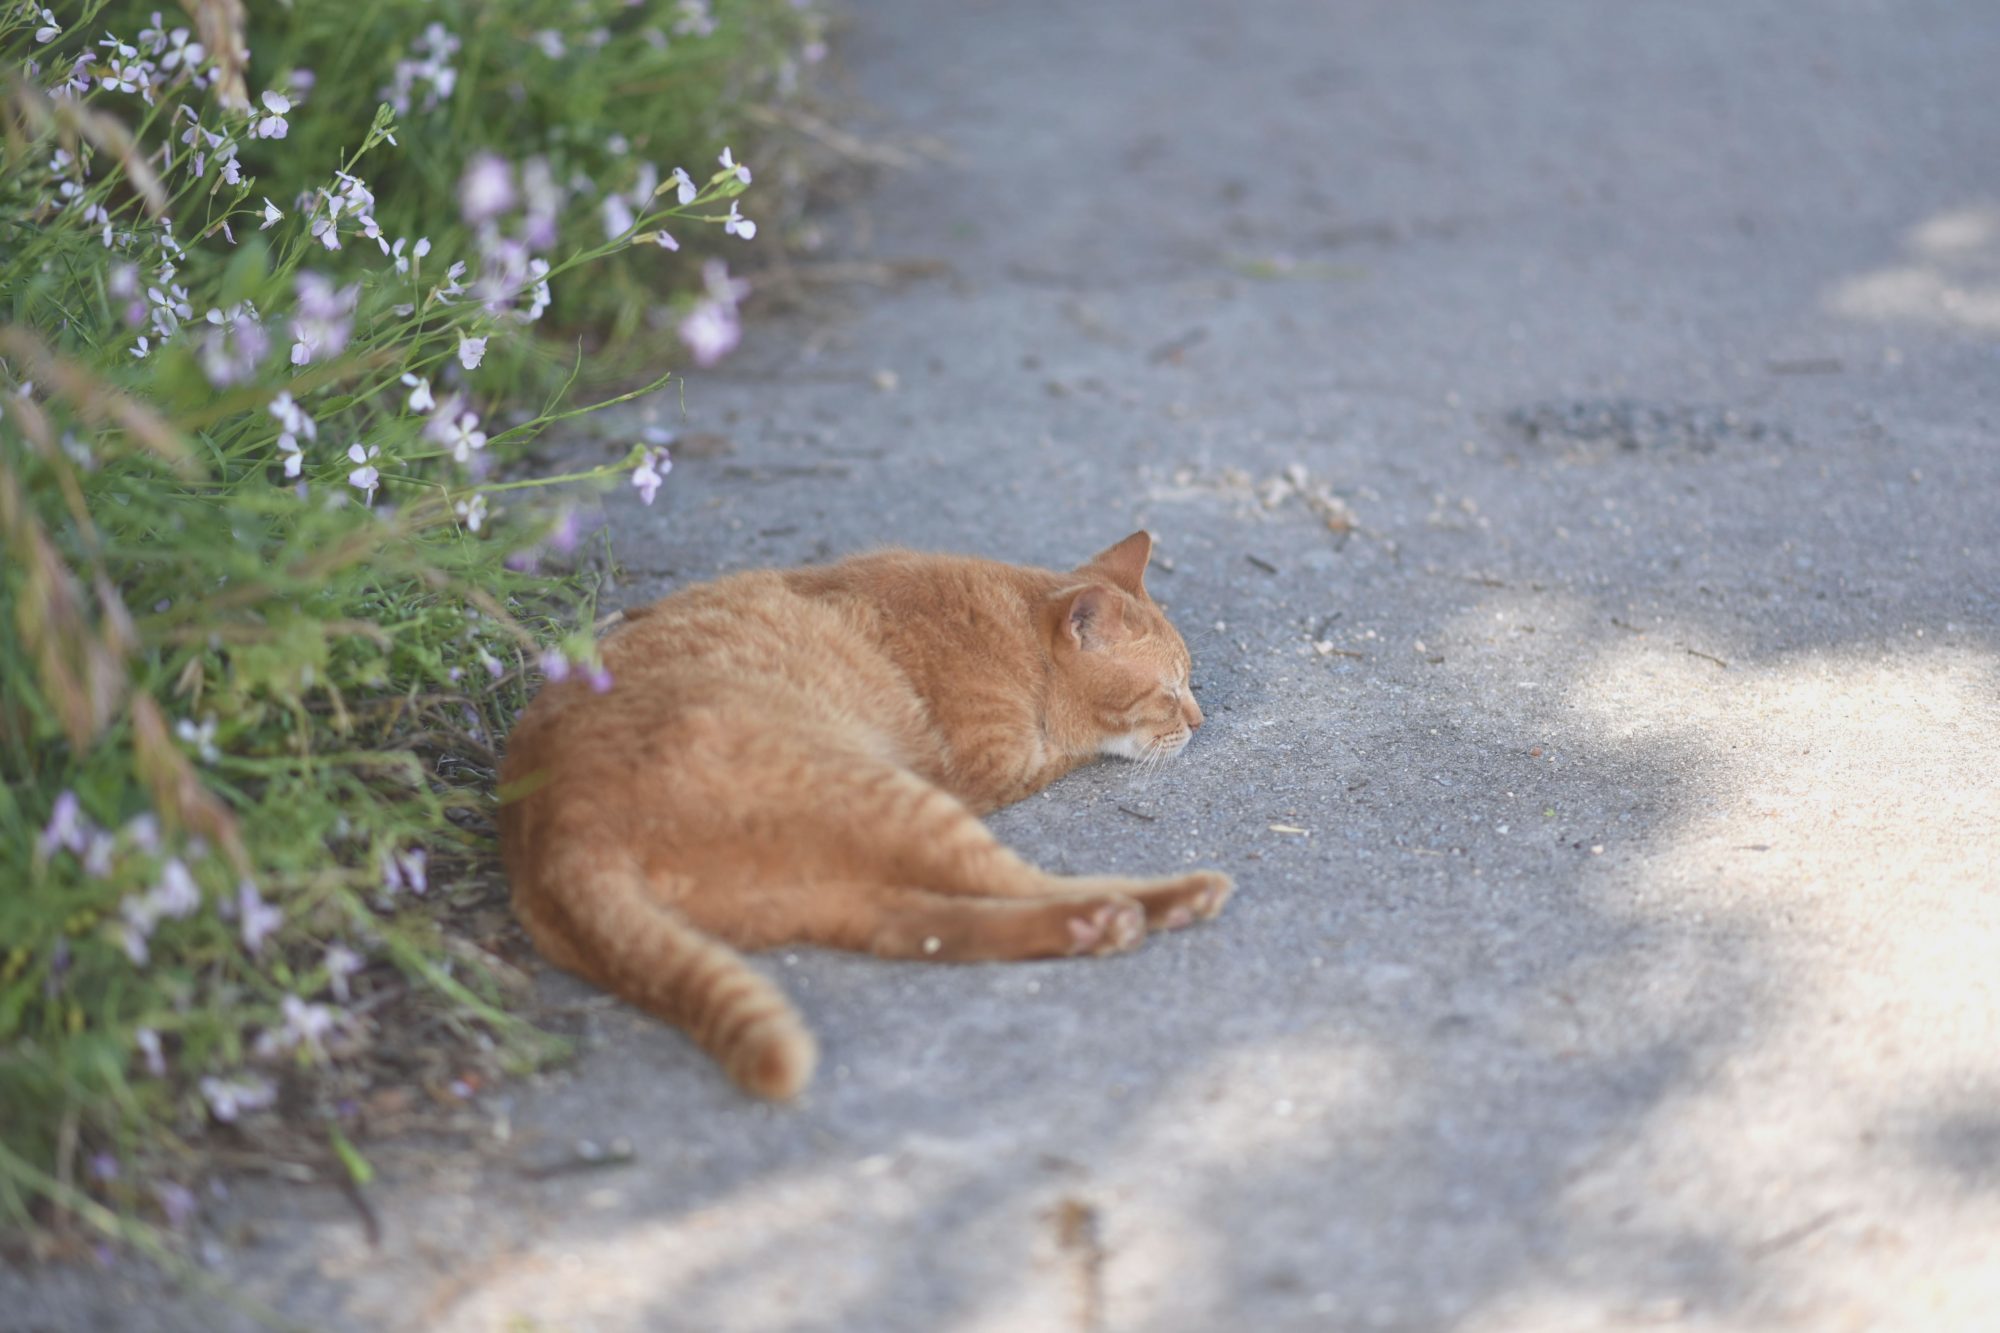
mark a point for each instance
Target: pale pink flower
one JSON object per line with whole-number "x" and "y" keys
{"x": 272, "y": 124}
{"x": 710, "y": 332}
{"x": 229, "y": 1098}
{"x": 68, "y": 827}
{"x": 486, "y": 190}
{"x": 618, "y": 216}
{"x": 148, "y": 1042}
{"x": 341, "y": 963}
{"x": 652, "y": 470}
{"x": 256, "y": 917}
{"x": 366, "y": 477}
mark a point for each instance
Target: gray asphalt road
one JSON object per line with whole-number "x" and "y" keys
{"x": 1613, "y": 802}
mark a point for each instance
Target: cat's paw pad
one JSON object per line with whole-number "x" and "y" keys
{"x": 1108, "y": 928}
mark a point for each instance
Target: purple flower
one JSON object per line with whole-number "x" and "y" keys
{"x": 486, "y": 190}
{"x": 326, "y": 230}
{"x": 731, "y": 164}
{"x": 181, "y": 51}
{"x": 258, "y": 918}
{"x": 652, "y": 470}
{"x": 695, "y": 19}
{"x": 306, "y": 1025}
{"x": 202, "y": 737}
{"x": 232, "y": 349}
{"x": 366, "y": 477}
{"x": 738, "y": 225}
{"x": 710, "y": 332}
{"x": 567, "y": 532}
{"x": 144, "y": 831}
{"x": 544, "y": 197}
{"x": 405, "y": 870}
{"x": 471, "y": 351}
{"x": 148, "y": 1042}
{"x": 683, "y": 184}
{"x": 618, "y": 216}
{"x": 455, "y": 430}
{"x": 176, "y": 895}
{"x": 169, "y": 308}
{"x": 418, "y": 251}
{"x": 324, "y": 318}
{"x": 555, "y": 666}
{"x": 341, "y": 963}
{"x": 229, "y": 1098}
{"x": 99, "y": 853}
{"x": 67, "y": 826}
{"x": 175, "y": 1202}
{"x": 600, "y": 679}
{"x": 539, "y": 295}
{"x": 720, "y": 286}
{"x": 272, "y": 125}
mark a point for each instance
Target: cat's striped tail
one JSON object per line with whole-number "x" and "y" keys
{"x": 611, "y": 931}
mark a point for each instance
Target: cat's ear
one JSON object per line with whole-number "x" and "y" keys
{"x": 1125, "y": 564}
{"x": 1094, "y": 618}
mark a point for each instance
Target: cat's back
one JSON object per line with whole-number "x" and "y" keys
{"x": 753, "y": 653}
{"x": 882, "y": 649}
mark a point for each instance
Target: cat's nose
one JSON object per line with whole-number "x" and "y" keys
{"x": 1192, "y": 713}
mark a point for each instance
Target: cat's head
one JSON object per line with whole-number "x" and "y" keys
{"x": 1122, "y": 670}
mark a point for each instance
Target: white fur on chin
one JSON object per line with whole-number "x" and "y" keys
{"x": 1132, "y": 745}
{"x": 1140, "y": 745}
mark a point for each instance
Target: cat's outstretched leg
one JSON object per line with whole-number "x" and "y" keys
{"x": 1171, "y": 901}
{"x": 942, "y": 845}
{"x": 894, "y": 922}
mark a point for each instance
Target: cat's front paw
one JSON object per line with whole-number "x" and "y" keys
{"x": 1109, "y": 927}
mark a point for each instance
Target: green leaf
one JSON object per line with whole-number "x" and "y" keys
{"x": 350, "y": 1157}
{"x": 243, "y": 279}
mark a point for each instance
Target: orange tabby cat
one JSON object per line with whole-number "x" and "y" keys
{"x": 800, "y": 756}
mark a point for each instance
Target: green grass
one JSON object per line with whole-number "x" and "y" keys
{"x": 255, "y": 667}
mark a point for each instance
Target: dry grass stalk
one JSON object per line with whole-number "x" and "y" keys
{"x": 179, "y": 795}
{"x": 220, "y": 24}
{"x": 97, "y": 402}
{"x": 82, "y": 674}
{"x": 36, "y": 113}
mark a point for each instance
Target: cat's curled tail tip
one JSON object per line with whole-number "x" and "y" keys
{"x": 774, "y": 1058}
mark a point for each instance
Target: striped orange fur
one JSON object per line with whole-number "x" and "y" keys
{"x": 801, "y": 756}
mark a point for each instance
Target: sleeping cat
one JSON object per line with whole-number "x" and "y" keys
{"x": 801, "y": 756}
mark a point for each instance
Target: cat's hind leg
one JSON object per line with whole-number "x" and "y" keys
{"x": 897, "y": 922}
{"x": 933, "y": 839}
